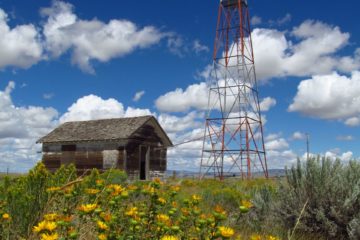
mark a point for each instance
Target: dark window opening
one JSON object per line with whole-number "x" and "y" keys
{"x": 68, "y": 148}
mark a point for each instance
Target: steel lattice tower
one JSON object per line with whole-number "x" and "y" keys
{"x": 233, "y": 138}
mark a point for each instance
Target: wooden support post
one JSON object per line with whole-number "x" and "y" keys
{"x": 124, "y": 159}
{"x": 147, "y": 163}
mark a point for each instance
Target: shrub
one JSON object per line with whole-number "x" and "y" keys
{"x": 332, "y": 192}
{"x": 26, "y": 197}
{"x": 114, "y": 176}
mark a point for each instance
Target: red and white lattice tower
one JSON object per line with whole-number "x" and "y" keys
{"x": 233, "y": 138}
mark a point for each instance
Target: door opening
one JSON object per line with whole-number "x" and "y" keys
{"x": 143, "y": 151}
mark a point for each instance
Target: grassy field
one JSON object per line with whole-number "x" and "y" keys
{"x": 47, "y": 206}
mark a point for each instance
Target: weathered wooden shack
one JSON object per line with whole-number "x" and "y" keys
{"x": 137, "y": 145}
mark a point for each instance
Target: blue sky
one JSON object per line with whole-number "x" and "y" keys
{"x": 79, "y": 60}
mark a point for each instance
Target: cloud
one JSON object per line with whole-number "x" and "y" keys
{"x": 89, "y": 40}
{"x": 48, "y": 96}
{"x": 93, "y": 107}
{"x": 344, "y": 138}
{"x": 176, "y": 45}
{"x": 345, "y": 157}
{"x": 306, "y": 50}
{"x": 181, "y": 47}
{"x": 278, "y": 151}
{"x": 20, "y": 127}
{"x": 175, "y": 124}
{"x": 188, "y": 154}
{"x": 19, "y": 46}
{"x": 267, "y": 103}
{"x": 298, "y": 136}
{"x": 33, "y": 120}
{"x": 179, "y": 100}
{"x": 137, "y": 112}
{"x": 138, "y": 95}
{"x": 331, "y": 154}
{"x": 196, "y": 96}
{"x": 353, "y": 121}
{"x": 281, "y": 21}
{"x": 198, "y": 47}
{"x": 277, "y": 144}
{"x": 330, "y": 96}
{"x": 255, "y": 20}
{"x": 278, "y": 159}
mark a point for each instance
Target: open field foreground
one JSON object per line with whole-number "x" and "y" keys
{"x": 317, "y": 200}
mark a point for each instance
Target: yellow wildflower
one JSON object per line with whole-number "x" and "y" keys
{"x": 46, "y": 236}
{"x": 226, "y": 232}
{"x": 246, "y": 203}
{"x": 131, "y": 212}
{"x": 87, "y": 208}
{"x": 69, "y": 189}
{"x": 185, "y": 211}
{"x": 50, "y": 216}
{"x": 41, "y": 226}
{"x": 102, "y": 236}
{"x": 163, "y": 218}
{"x": 44, "y": 225}
{"x": 270, "y": 237}
{"x": 157, "y": 180}
{"x": 238, "y": 237}
{"x": 53, "y": 189}
{"x": 149, "y": 189}
{"x": 175, "y": 188}
{"x": 196, "y": 197}
{"x": 125, "y": 194}
{"x": 67, "y": 218}
{"x": 92, "y": 191}
{"x": 169, "y": 237}
{"x": 117, "y": 189}
{"x": 99, "y": 181}
{"x": 132, "y": 187}
{"x": 50, "y": 226}
{"x": 161, "y": 200}
{"x": 255, "y": 237}
{"x": 6, "y": 216}
{"x": 219, "y": 209}
{"x": 105, "y": 216}
{"x": 102, "y": 225}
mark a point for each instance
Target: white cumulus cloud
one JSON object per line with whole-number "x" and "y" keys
{"x": 298, "y": 136}
{"x": 179, "y": 100}
{"x": 267, "y": 103}
{"x": 92, "y": 39}
{"x": 353, "y": 121}
{"x": 277, "y": 144}
{"x": 19, "y": 46}
{"x": 20, "y": 127}
{"x": 173, "y": 124}
{"x": 93, "y": 107}
{"x": 345, "y": 156}
{"x": 330, "y": 96}
{"x": 308, "y": 49}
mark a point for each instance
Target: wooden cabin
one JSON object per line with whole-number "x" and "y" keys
{"x": 137, "y": 145}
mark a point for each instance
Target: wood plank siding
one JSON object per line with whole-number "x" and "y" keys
{"x": 143, "y": 154}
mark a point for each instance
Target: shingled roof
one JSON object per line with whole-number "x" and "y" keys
{"x": 99, "y": 130}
